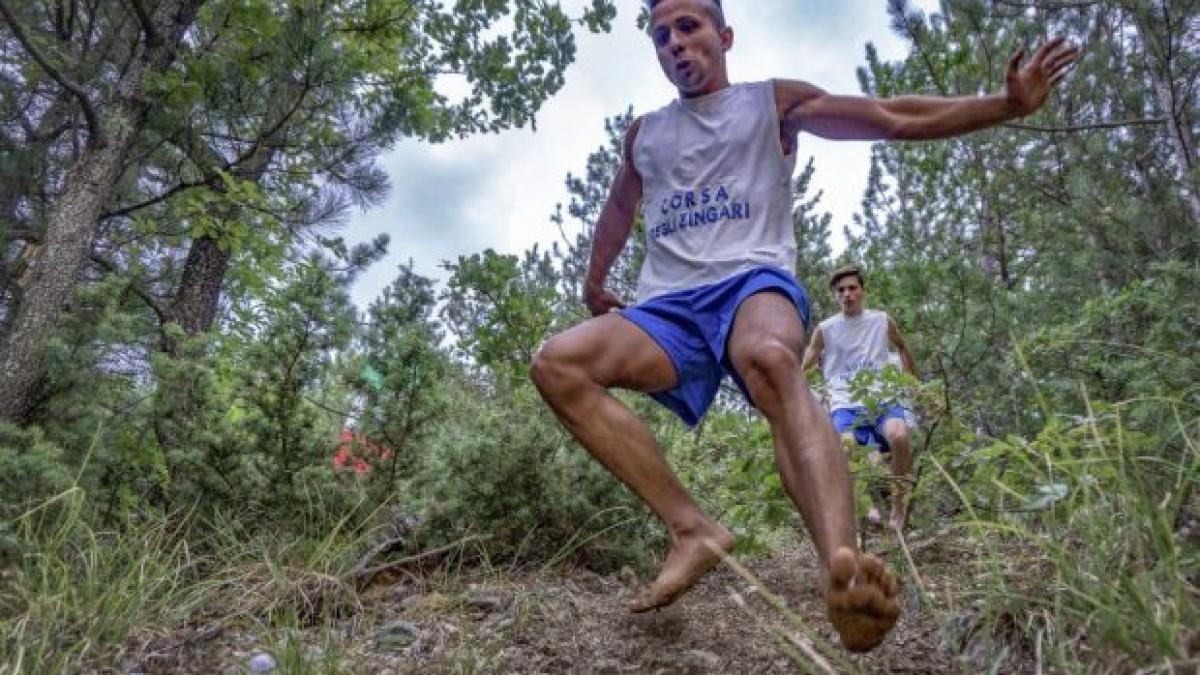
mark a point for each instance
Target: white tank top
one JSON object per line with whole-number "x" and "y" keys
{"x": 852, "y": 343}
{"x": 716, "y": 189}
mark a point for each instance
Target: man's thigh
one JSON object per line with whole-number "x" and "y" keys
{"x": 765, "y": 318}
{"x": 614, "y": 352}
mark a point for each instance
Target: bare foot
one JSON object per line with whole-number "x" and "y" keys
{"x": 689, "y": 559}
{"x": 861, "y": 599}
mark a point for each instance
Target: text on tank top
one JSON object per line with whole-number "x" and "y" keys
{"x": 716, "y": 189}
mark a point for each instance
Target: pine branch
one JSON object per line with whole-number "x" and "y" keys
{"x": 1086, "y": 127}
{"x": 89, "y": 112}
{"x": 1050, "y": 4}
{"x": 133, "y": 286}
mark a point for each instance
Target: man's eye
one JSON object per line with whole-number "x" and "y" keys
{"x": 688, "y": 25}
{"x": 661, "y": 36}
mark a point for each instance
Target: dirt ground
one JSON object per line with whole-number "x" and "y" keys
{"x": 565, "y": 621}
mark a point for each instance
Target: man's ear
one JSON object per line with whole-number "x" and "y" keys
{"x": 726, "y": 38}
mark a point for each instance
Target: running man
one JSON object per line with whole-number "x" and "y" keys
{"x": 853, "y": 340}
{"x": 712, "y": 173}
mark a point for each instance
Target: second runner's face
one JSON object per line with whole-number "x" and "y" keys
{"x": 849, "y": 295}
{"x": 691, "y": 49}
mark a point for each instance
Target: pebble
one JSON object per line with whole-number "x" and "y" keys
{"x": 699, "y": 661}
{"x": 397, "y": 635}
{"x": 261, "y": 662}
{"x": 486, "y": 601}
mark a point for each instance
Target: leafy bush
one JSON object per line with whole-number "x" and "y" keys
{"x": 31, "y": 468}
{"x": 505, "y": 467}
{"x": 1084, "y": 533}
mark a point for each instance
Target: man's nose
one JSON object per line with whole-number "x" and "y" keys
{"x": 675, "y": 46}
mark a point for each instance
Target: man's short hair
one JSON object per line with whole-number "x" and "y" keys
{"x": 844, "y": 271}
{"x": 716, "y": 12}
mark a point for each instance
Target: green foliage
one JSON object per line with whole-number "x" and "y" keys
{"x": 74, "y": 594}
{"x": 407, "y": 393}
{"x": 500, "y": 307}
{"x": 298, "y": 329}
{"x": 505, "y": 467}
{"x": 1139, "y": 342}
{"x": 1034, "y": 272}
{"x": 728, "y": 462}
{"x": 1084, "y": 522}
{"x": 75, "y": 591}
{"x": 31, "y": 467}
{"x": 587, "y": 195}
{"x": 814, "y": 260}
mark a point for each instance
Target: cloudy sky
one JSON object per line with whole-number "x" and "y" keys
{"x": 498, "y": 191}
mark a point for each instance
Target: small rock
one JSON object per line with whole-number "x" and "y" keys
{"x": 486, "y": 601}
{"x": 607, "y": 667}
{"x": 397, "y": 635}
{"x": 261, "y": 662}
{"x": 699, "y": 661}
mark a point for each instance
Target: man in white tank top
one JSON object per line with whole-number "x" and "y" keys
{"x": 853, "y": 340}
{"x": 717, "y": 296}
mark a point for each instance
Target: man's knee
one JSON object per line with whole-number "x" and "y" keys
{"x": 553, "y": 366}
{"x": 770, "y": 367}
{"x": 896, "y": 433}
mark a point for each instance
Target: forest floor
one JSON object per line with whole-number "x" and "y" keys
{"x": 491, "y": 620}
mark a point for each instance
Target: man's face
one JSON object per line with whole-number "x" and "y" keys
{"x": 849, "y": 294}
{"x": 691, "y": 49}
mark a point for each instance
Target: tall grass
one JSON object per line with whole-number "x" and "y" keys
{"x": 76, "y": 597}
{"x": 73, "y": 591}
{"x": 1085, "y": 566}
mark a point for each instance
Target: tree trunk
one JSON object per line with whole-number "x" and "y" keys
{"x": 87, "y": 187}
{"x": 196, "y": 301}
{"x": 199, "y": 294}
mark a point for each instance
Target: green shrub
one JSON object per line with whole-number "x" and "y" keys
{"x": 1083, "y": 537}
{"x": 505, "y": 467}
{"x": 31, "y": 469}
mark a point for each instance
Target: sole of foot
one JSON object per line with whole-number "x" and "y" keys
{"x": 861, "y": 599}
{"x": 689, "y": 559}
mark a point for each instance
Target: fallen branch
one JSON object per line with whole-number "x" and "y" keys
{"x": 376, "y": 551}
{"x": 365, "y": 574}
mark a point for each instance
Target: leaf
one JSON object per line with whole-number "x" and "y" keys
{"x": 1047, "y": 494}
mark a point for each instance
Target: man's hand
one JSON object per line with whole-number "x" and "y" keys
{"x": 1028, "y": 87}
{"x": 600, "y": 301}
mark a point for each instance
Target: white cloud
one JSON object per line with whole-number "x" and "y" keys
{"x": 497, "y": 191}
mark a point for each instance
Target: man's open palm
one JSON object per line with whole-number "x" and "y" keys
{"x": 1028, "y": 86}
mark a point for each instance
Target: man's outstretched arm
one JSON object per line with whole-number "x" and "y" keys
{"x": 907, "y": 362}
{"x": 805, "y": 107}
{"x": 613, "y": 227}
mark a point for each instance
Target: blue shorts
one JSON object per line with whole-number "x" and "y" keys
{"x": 692, "y": 327}
{"x": 867, "y": 432}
